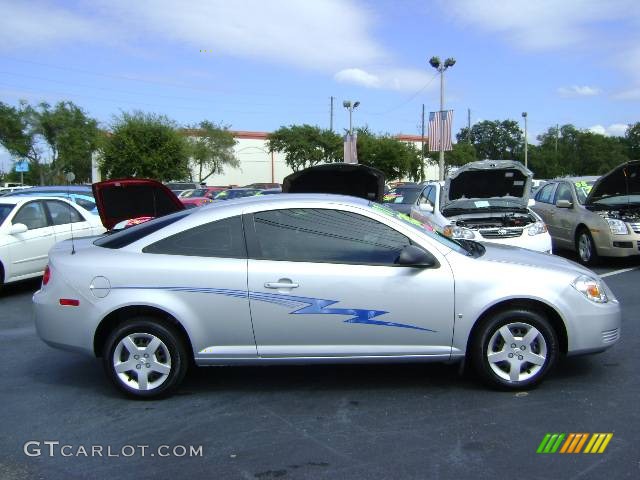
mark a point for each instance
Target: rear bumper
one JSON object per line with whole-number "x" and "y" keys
{"x": 60, "y": 326}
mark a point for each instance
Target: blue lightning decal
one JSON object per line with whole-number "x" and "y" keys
{"x": 300, "y": 305}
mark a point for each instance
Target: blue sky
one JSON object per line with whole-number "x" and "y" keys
{"x": 277, "y": 62}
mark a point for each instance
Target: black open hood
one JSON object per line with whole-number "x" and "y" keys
{"x": 339, "y": 178}
{"x": 129, "y": 198}
{"x": 622, "y": 180}
{"x": 504, "y": 179}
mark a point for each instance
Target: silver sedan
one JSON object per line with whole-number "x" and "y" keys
{"x": 305, "y": 278}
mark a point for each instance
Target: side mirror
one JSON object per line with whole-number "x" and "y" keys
{"x": 426, "y": 207}
{"x": 17, "y": 228}
{"x": 412, "y": 256}
{"x": 564, "y": 204}
{"x": 531, "y": 202}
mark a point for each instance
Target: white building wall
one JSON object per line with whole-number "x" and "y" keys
{"x": 257, "y": 165}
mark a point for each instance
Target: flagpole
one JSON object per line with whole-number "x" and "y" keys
{"x": 441, "y": 158}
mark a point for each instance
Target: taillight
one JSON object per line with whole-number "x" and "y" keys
{"x": 46, "y": 276}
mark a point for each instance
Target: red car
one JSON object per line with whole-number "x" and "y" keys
{"x": 190, "y": 202}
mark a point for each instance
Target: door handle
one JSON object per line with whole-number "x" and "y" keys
{"x": 282, "y": 283}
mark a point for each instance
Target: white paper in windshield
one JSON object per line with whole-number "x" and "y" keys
{"x": 481, "y": 203}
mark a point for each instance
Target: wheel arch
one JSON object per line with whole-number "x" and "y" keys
{"x": 555, "y": 319}
{"x": 122, "y": 314}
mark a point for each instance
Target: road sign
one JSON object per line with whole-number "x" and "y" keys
{"x": 22, "y": 166}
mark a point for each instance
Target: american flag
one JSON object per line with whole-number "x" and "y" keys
{"x": 440, "y": 128}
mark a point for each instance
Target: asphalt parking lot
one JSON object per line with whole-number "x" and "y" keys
{"x": 333, "y": 422}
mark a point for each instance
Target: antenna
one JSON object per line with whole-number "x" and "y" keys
{"x": 70, "y": 178}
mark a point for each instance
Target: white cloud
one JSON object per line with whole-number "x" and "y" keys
{"x": 42, "y": 26}
{"x": 579, "y": 91}
{"x": 541, "y": 24}
{"x": 324, "y": 34}
{"x": 613, "y": 130}
{"x": 392, "y": 78}
{"x": 631, "y": 94}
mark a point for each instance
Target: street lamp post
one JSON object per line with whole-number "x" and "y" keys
{"x": 441, "y": 67}
{"x": 524, "y": 115}
{"x": 351, "y": 106}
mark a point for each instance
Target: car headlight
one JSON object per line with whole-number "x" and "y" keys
{"x": 458, "y": 232}
{"x": 590, "y": 288}
{"x": 537, "y": 228}
{"x": 617, "y": 227}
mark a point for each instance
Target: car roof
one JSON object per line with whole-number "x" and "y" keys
{"x": 586, "y": 178}
{"x": 15, "y": 199}
{"x": 58, "y": 188}
{"x": 287, "y": 200}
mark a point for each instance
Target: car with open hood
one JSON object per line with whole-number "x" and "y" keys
{"x": 125, "y": 202}
{"x": 595, "y": 217}
{"x": 485, "y": 201}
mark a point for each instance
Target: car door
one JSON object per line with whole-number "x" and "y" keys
{"x": 30, "y": 249}
{"x": 563, "y": 220}
{"x": 66, "y": 221}
{"x": 205, "y": 269}
{"x": 544, "y": 206}
{"x": 323, "y": 282}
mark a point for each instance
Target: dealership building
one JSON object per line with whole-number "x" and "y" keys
{"x": 258, "y": 165}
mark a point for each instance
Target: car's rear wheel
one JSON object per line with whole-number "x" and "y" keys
{"x": 145, "y": 358}
{"x": 514, "y": 349}
{"x": 586, "y": 248}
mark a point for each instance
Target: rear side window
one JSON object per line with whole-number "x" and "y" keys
{"x": 223, "y": 238}
{"x": 325, "y": 236}
{"x": 545, "y": 193}
{"x": 129, "y": 235}
{"x": 62, "y": 214}
{"x": 32, "y": 215}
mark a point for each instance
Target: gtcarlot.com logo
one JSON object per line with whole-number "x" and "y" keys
{"x": 574, "y": 443}
{"x": 53, "y": 448}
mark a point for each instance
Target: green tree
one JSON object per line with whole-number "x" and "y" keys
{"x": 212, "y": 149}
{"x": 54, "y": 140}
{"x": 495, "y": 140}
{"x": 395, "y": 158}
{"x": 632, "y": 137}
{"x": 71, "y": 136}
{"x": 145, "y": 145}
{"x": 305, "y": 145}
{"x": 461, "y": 154}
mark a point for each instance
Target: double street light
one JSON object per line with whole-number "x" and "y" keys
{"x": 351, "y": 106}
{"x": 441, "y": 67}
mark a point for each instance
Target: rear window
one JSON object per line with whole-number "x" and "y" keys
{"x": 5, "y": 210}
{"x": 135, "y": 233}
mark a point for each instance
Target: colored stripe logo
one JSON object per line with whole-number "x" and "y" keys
{"x": 574, "y": 443}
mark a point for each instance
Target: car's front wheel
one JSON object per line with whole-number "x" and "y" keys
{"x": 514, "y": 349}
{"x": 586, "y": 248}
{"x": 145, "y": 358}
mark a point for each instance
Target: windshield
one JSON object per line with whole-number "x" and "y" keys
{"x": 582, "y": 190}
{"x": 618, "y": 200}
{"x": 199, "y": 192}
{"x": 5, "y": 210}
{"x": 420, "y": 227}
{"x": 401, "y": 195}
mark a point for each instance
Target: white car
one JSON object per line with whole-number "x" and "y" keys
{"x": 485, "y": 201}
{"x": 30, "y": 226}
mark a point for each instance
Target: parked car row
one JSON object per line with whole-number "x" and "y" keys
{"x": 489, "y": 201}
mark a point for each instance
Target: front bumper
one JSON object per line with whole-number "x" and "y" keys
{"x": 594, "y": 328}
{"x": 609, "y": 245}
{"x": 538, "y": 243}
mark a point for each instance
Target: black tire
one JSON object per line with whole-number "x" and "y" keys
{"x": 543, "y": 348}
{"x": 586, "y": 248}
{"x": 171, "y": 355}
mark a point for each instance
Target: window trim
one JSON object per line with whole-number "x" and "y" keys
{"x": 253, "y": 245}
{"x": 571, "y": 192}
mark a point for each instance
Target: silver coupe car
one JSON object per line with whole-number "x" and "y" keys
{"x": 309, "y": 278}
